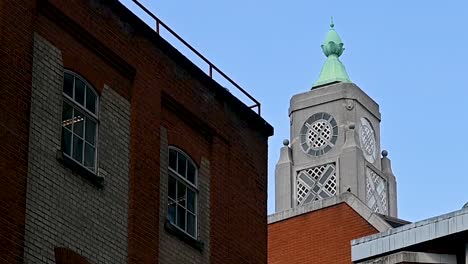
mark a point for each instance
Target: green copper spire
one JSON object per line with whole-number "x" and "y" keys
{"x": 333, "y": 70}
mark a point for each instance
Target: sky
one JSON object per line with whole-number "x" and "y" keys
{"x": 409, "y": 56}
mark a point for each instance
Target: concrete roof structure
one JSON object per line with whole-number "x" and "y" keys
{"x": 442, "y": 234}
{"x": 379, "y": 222}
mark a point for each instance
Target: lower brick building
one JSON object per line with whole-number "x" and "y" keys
{"x": 118, "y": 149}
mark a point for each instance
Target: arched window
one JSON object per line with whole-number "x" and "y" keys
{"x": 79, "y": 120}
{"x": 182, "y": 192}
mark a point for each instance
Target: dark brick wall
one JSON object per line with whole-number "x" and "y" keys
{"x": 16, "y": 26}
{"x": 106, "y": 45}
{"x": 322, "y": 236}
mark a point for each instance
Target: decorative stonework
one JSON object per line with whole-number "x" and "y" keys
{"x": 367, "y": 140}
{"x": 376, "y": 192}
{"x": 319, "y": 134}
{"x": 316, "y": 183}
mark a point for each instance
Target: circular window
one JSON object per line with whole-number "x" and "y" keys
{"x": 319, "y": 134}
{"x": 367, "y": 139}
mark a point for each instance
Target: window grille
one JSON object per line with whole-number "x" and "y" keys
{"x": 318, "y": 134}
{"x": 376, "y": 192}
{"x": 79, "y": 120}
{"x": 316, "y": 183}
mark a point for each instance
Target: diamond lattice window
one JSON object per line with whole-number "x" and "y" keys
{"x": 376, "y": 192}
{"x": 316, "y": 183}
{"x": 319, "y": 133}
{"x": 368, "y": 140}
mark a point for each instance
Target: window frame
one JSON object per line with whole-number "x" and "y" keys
{"x": 189, "y": 186}
{"x": 87, "y": 113}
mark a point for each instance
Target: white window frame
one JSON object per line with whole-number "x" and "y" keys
{"x": 194, "y": 187}
{"x": 94, "y": 116}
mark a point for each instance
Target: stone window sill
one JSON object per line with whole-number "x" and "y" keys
{"x": 173, "y": 230}
{"x": 79, "y": 169}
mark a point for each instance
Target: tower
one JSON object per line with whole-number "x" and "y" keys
{"x": 334, "y": 143}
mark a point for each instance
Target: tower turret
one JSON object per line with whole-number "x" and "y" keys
{"x": 334, "y": 144}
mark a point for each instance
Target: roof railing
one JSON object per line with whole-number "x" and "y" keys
{"x": 211, "y": 66}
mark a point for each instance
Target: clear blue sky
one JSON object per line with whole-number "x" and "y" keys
{"x": 409, "y": 56}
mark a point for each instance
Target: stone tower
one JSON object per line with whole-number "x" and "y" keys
{"x": 334, "y": 144}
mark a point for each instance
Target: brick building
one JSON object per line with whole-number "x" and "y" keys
{"x": 117, "y": 149}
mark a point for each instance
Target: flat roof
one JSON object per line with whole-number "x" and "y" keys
{"x": 376, "y": 220}
{"x": 409, "y": 235}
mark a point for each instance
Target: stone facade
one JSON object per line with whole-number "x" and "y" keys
{"x": 346, "y": 112}
{"x": 63, "y": 209}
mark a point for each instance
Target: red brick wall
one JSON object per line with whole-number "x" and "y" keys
{"x": 101, "y": 46}
{"x": 321, "y": 236}
{"x": 16, "y": 25}
{"x": 239, "y": 197}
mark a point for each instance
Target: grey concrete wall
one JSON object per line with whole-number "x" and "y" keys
{"x": 404, "y": 257}
{"x": 171, "y": 248}
{"x": 284, "y": 181}
{"x": 347, "y": 103}
{"x": 63, "y": 209}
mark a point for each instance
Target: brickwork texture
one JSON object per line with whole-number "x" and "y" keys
{"x": 322, "y": 236}
{"x": 168, "y": 243}
{"x": 63, "y": 209}
{"x": 15, "y": 96}
{"x": 143, "y": 84}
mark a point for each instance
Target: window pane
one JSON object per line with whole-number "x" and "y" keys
{"x": 191, "y": 200}
{"x": 172, "y": 187}
{"x": 90, "y": 131}
{"x": 89, "y": 156}
{"x": 191, "y": 173}
{"x": 67, "y": 114}
{"x": 68, "y": 84}
{"x": 191, "y": 224}
{"x": 181, "y": 165}
{"x": 77, "y": 149}
{"x": 90, "y": 100}
{"x": 79, "y": 91}
{"x": 78, "y": 123}
{"x": 66, "y": 141}
{"x": 181, "y": 191}
{"x": 171, "y": 211}
{"x": 172, "y": 159}
{"x": 180, "y": 217}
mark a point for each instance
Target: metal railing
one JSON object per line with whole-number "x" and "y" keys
{"x": 211, "y": 66}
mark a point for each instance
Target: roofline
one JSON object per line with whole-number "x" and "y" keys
{"x": 410, "y": 234}
{"x": 414, "y": 257}
{"x": 255, "y": 120}
{"x": 357, "y": 205}
{"x": 141, "y": 28}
